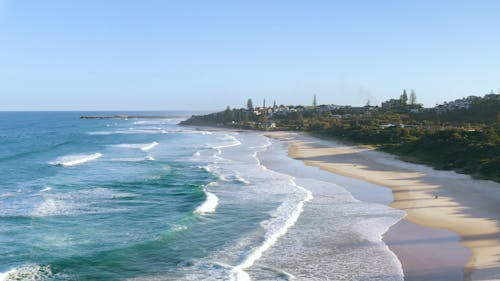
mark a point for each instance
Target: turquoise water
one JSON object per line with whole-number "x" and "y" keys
{"x": 151, "y": 200}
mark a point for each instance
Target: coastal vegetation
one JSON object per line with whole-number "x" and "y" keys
{"x": 462, "y": 135}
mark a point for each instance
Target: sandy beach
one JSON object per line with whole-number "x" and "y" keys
{"x": 451, "y": 231}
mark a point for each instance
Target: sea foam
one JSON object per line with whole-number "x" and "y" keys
{"x": 282, "y": 219}
{"x": 286, "y": 216}
{"x": 28, "y": 273}
{"x": 141, "y": 146}
{"x": 75, "y": 159}
{"x": 210, "y": 204}
{"x": 234, "y": 142}
{"x": 151, "y": 130}
{"x": 149, "y": 146}
{"x": 72, "y": 203}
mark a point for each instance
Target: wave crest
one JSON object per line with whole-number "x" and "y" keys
{"x": 210, "y": 204}
{"x": 75, "y": 159}
{"x": 141, "y": 146}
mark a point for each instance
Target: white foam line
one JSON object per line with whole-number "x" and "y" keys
{"x": 242, "y": 179}
{"x": 394, "y": 256}
{"x": 207, "y": 168}
{"x": 210, "y": 204}
{"x": 258, "y": 160}
{"x": 238, "y": 272}
{"x": 235, "y": 142}
{"x": 288, "y": 275}
{"x": 130, "y": 131}
{"x": 131, "y": 159}
{"x": 77, "y": 159}
{"x": 262, "y": 148}
{"x": 141, "y": 146}
{"x": 149, "y": 146}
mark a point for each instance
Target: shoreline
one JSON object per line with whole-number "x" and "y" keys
{"x": 340, "y": 230}
{"x": 445, "y": 210}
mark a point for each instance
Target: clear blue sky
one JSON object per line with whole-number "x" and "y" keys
{"x": 206, "y": 54}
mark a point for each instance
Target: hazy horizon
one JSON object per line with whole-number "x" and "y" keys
{"x": 198, "y": 55}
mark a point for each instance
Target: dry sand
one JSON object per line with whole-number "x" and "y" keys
{"x": 437, "y": 199}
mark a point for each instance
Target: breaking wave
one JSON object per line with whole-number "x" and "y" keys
{"x": 28, "y": 273}
{"x": 75, "y": 159}
{"x": 285, "y": 217}
{"x": 210, "y": 204}
{"x": 141, "y": 146}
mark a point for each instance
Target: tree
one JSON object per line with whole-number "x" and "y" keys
{"x": 413, "y": 98}
{"x": 367, "y": 103}
{"x": 300, "y": 118}
{"x": 250, "y": 104}
{"x": 228, "y": 114}
{"x": 315, "y": 103}
{"x": 403, "y": 98}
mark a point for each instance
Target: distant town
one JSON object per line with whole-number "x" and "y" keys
{"x": 401, "y": 109}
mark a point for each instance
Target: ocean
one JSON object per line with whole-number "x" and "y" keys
{"x": 148, "y": 199}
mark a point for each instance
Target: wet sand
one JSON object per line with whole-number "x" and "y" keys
{"x": 427, "y": 254}
{"x": 445, "y": 211}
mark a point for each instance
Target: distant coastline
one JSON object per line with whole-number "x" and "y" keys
{"x": 462, "y": 135}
